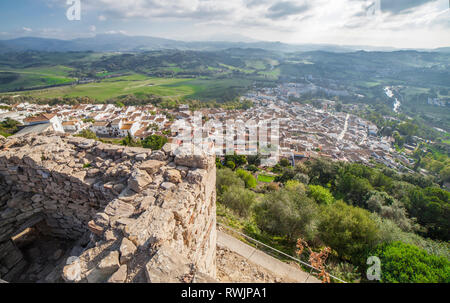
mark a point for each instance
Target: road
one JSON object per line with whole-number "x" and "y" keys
{"x": 342, "y": 135}
{"x": 264, "y": 260}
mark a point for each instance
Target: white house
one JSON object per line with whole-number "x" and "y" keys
{"x": 52, "y": 119}
{"x": 100, "y": 128}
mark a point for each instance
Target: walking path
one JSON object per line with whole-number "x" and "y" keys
{"x": 268, "y": 262}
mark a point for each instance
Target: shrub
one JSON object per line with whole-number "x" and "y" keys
{"x": 348, "y": 230}
{"x": 230, "y": 164}
{"x": 249, "y": 179}
{"x": 320, "y": 194}
{"x": 252, "y": 168}
{"x": 154, "y": 142}
{"x": 404, "y": 263}
{"x": 227, "y": 178}
{"x": 239, "y": 199}
{"x": 88, "y": 134}
{"x": 287, "y": 213}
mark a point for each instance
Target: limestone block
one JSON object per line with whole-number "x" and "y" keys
{"x": 138, "y": 180}
{"x": 127, "y": 250}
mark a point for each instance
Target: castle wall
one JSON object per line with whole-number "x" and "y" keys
{"x": 134, "y": 203}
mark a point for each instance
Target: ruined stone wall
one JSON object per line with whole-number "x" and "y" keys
{"x": 142, "y": 209}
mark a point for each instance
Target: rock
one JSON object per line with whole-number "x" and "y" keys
{"x": 158, "y": 155}
{"x": 185, "y": 157}
{"x": 127, "y": 250}
{"x": 138, "y": 180}
{"x": 120, "y": 276}
{"x": 102, "y": 219}
{"x": 141, "y": 157}
{"x": 173, "y": 176}
{"x": 94, "y": 228}
{"x": 167, "y": 266}
{"x": 119, "y": 209}
{"x": 151, "y": 166}
{"x": 154, "y": 226}
{"x": 203, "y": 278}
{"x": 72, "y": 272}
{"x": 107, "y": 266}
{"x": 167, "y": 185}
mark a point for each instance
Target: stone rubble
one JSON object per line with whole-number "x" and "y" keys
{"x": 137, "y": 206}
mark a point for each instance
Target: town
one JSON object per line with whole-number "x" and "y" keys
{"x": 304, "y": 131}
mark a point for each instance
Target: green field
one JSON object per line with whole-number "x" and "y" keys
{"x": 12, "y": 79}
{"x": 170, "y": 88}
{"x": 119, "y": 86}
{"x": 266, "y": 178}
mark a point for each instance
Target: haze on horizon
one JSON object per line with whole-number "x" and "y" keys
{"x": 399, "y": 23}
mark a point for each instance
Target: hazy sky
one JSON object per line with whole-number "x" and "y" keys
{"x": 398, "y": 23}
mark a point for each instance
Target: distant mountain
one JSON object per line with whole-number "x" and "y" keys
{"x": 443, "y": 49}
{"x": 124, "y": 43}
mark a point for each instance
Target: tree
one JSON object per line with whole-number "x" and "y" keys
{"x": 155, "y": 142}
{"x": 320, "y": 194}
{"x": 130, "y": 141}
{"x": 348, "y": 230}
{"x": 227, "y": 178}
{"x": 285, "y": 162}
{"x": 249, "y": 179}
{"x": 404, "y": 263}
{"x": 239, "y": 199}
{"x": 254, "y": 160}
{"x": 239, "y": 160}
{"x": 287, "y": 213}
{"x": 252, "y": 168}
{"x": 219, "y": 164}
{"x": 388, "y": 207}
{"x": 230, "y": 164}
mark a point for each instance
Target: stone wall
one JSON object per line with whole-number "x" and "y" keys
{"x": 141, "y": 209}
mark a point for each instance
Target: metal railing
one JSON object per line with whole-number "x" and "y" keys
{"x": 279, "y": 252}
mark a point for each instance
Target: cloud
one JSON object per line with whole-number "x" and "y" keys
{"x": 284, "y": 9}
{"x": 27, "y": 29}
{"x": 399, "y": 6}
{"x": 399, "y": 22}
{"x": 92, "y": 28}
{"x": 116, "y": 32}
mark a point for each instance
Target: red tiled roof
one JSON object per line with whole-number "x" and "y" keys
{"x": 40, "y": 118}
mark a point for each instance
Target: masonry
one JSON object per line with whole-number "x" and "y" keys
{"x": 135, "y": 215}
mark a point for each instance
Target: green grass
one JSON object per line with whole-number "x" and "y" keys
{"x": 15, "y": 79}
{"x": 266, "y": 178}
{"x": 137, "y": 84}
{"x": 114, "y": 87}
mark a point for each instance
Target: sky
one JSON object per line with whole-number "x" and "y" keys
{"x": 392, "y": 23}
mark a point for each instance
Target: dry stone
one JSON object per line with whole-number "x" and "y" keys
{"x": 133, "y": 211}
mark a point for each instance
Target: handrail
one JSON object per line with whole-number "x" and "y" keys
{"x": 278, "y": 251}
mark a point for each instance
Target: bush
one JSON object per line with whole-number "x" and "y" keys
{"x": 389, "y": 208}
{"x": 154, "y": 142}
{"x": 287, "y": 213}
{"x": 404, "y": 263}
{"x": 230, "y": 164}
{"x": 250, "y": 181}
{"x": 320, "y": 194}
{"x": 348, "y": 230}
{"x": 226, "y": 178}
{"x": 239, "y": 199}
{"x": 252, "y": 168}
{"x": 88, "y": 134}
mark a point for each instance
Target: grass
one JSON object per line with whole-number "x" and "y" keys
{"x": 114, "y": 87}
{"x": 266, "y": 178}
{"x": 15, "y": 79}
{"x": 137, "y": 84}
